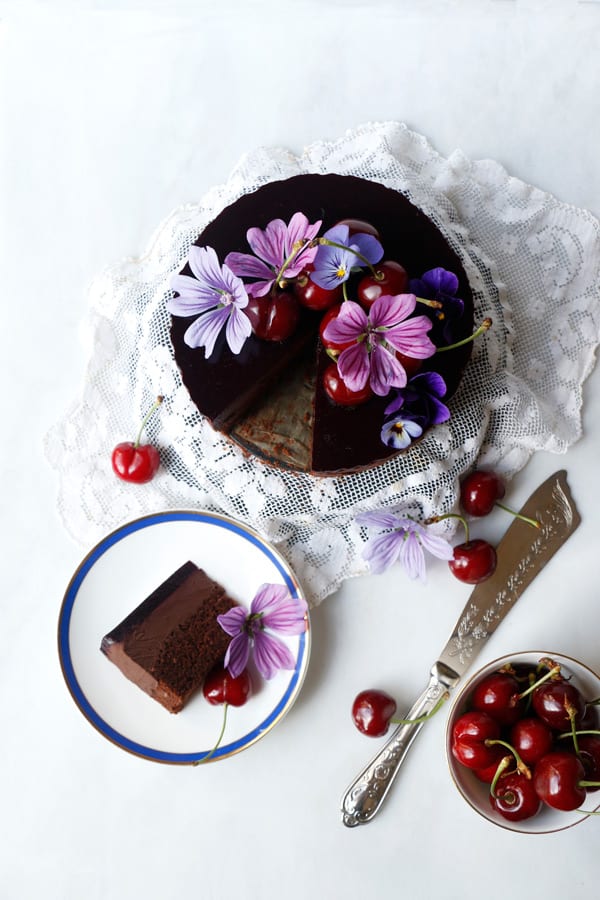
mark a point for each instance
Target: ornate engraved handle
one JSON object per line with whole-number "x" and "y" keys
{"x": 366, "y": 794}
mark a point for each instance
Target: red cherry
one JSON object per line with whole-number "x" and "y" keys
{"x": 479, "y": 492}
{"x": 337, "y": 391}
{"x": 390, "y": 278}
{"x": 273, "y": 317}
{"x": 358, "y": 226}
{"x": 312, "y": 296}
{"x": 138, "y": 464}
{"x": 135, "y": 462}
{"x": 552, "y": 701}
{"x": 589, "y": 754}
{"x": 220, "y": 687}
{"x": 556, "y": 780}
{"x": 372, "y": 711}
{"x": 498, "y": 695}
{"x": 515, "y": 797}
{"x": 531, "y": 738}
{"x": 409, "y": 363}
{"x": 473, "y": 561}
{"x": 488, "y": 774}
{"x": 469, "y": 736}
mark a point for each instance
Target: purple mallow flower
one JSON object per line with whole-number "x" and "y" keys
{"x": 386, "y": 328}
{"x": 403, "y": 539}
{"x": 273, "y": 248}
{"x": 216, "y": 296}
{"x": 333, "y": 265}
{"x": 441, "y": 285}
{"x": 272, "y": 608}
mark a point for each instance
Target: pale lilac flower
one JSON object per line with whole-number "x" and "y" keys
{"x": 333, "y": 265}
{"x": 273, "y": 248}
{"x": 272, "y": 608}
{"x": 401, "y": 431}
{"x": 403, "y": 539}
{"x": 217, "y": 296}
{"x": 389, "y": 326}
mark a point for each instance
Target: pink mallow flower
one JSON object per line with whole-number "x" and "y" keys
{"x": 388, "y": 327}
{"x": 272, "y": 609}
{"x": 279, "y": 249}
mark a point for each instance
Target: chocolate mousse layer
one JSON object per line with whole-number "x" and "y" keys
{"x": 170, "y": 642}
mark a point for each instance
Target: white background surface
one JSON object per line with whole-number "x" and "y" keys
{"x": 112, "y": 114}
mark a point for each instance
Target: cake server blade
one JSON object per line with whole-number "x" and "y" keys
{"x": 522, "y": 554}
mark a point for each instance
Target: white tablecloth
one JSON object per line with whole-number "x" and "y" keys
{"x": 114, "y": 114}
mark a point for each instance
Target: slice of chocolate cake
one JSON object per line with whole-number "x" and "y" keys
{"x": 170, "y": 642}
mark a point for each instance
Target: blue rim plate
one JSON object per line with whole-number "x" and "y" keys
{"x": 115, "y": 576}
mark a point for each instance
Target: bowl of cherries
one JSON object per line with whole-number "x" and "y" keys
{"x": 523, "y": 742}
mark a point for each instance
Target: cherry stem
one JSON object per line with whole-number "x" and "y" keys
{"x": 533, "y": 522}
{"x": 212, "y": 752}
{"x": 572, "y": 714}
{"x": 568, "y": 734}
{"x": 424, "y": 718}
{"x": 485, "y": 325}
{"x": 503, "y": 765}
{"x": 150, "y": 413}
{"x": 521, "y": 767}
{"x": 298, "y": 247}
{"x": 555, "y": 670}
{"x": 461, "y": 519}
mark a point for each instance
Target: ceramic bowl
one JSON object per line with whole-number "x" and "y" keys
{"x": 476, "y": 792}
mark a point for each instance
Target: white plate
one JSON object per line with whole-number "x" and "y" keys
{"x": 114, "y": 578}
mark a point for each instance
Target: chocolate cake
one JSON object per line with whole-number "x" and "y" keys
{"x": 269, "y": 398}
{"x": 170, "y": 642}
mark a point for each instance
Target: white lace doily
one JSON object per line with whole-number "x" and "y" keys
{"x": 534, "y": 266}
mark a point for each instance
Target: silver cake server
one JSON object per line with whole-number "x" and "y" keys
{"x": 522, "y": 554}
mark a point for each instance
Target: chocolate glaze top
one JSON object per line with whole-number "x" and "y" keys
{"x": 225, "y": 386}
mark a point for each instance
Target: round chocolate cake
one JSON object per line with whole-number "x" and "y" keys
{"x": 269, "y": 397}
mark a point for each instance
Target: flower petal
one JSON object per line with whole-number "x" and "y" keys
{"x": 382, "y": 550}
{"x": 350, "y": 323}
{"x": 386, "y": 371}
{"x": 233, "y": 621}
{"x": 368, "y": 246}
{"x": 248, "y": 266}
{"x": 353, "y": 366}
{"x": 400, "y": 432}
{"x": 410, "y": 337}
{"x": 206, "y": 329}
{"x": 238, "y": 329}
{"x": 204, "y": 263}
{"x": 436, "y": 545}
{"x": 271, "y": 654}
{"x": 390, "y": 309}
{"x": 280, "y": 611}
{"x": 237, "y": 655}
{"x": 270, "y": 243}
{"x": 378, "y": 518}
{"x": 412, "y": 557}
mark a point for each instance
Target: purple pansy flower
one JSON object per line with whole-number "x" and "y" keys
{"x": 422, "y": 398}
{"x": 333, "y": 265}
{"x": 386, "y": 328}
{"x": 273, "y": 248}
{"x": 441, "y": 285}
{"x": 403, "y": 539}
{"x": 272, "y": 608}
{"x": 217, "y": 296}
{"x": 401, "y": 431}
